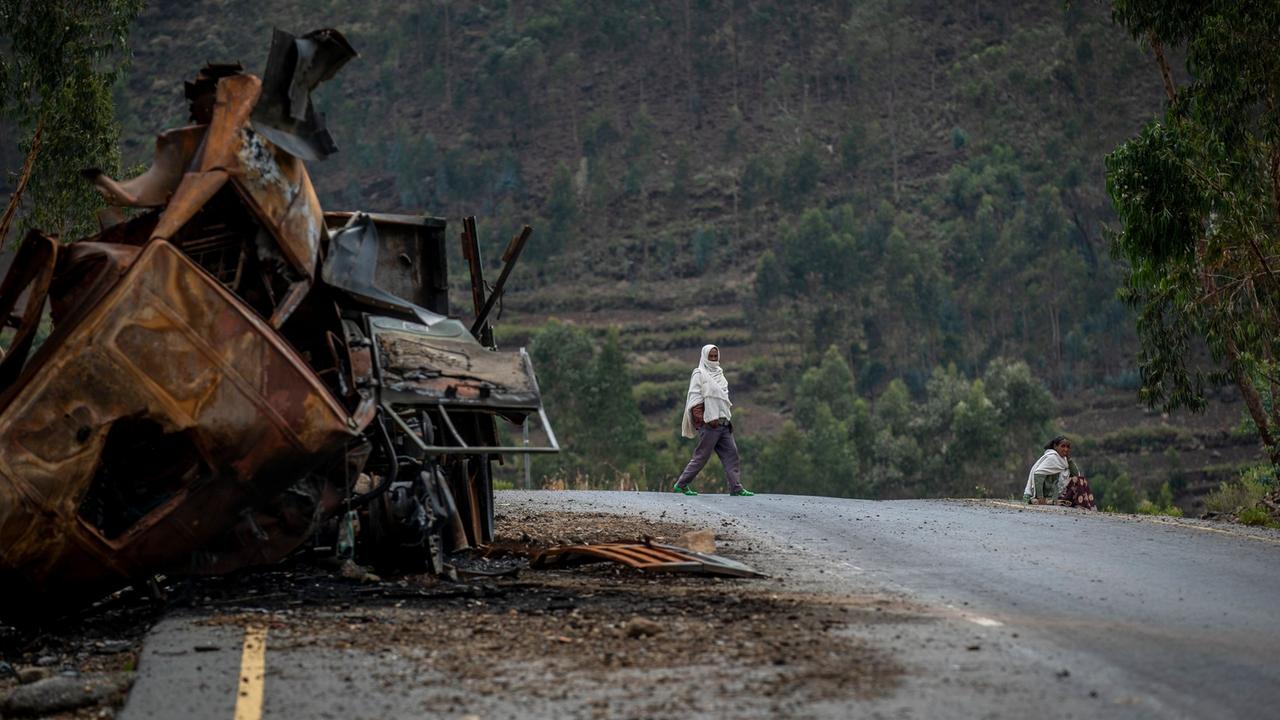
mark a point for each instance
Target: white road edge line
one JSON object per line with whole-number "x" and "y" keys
{"x": 975, "y": 619}
{"x": 1151, "y": 519}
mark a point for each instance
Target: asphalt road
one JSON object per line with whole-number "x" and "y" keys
{"x": 1031, "y": 612}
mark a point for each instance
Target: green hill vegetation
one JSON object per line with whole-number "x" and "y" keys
{"x": 890, "y": 215}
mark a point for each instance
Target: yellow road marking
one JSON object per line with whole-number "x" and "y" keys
{"x": 253, "y": 668}
{"x": 1158, "y": 520}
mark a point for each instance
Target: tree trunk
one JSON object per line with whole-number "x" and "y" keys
{"x": 1170, "y": 90}
{"x": 733, "y": 50}
{"x": 1253, "y": 401}
{"x": 15, "y": 200}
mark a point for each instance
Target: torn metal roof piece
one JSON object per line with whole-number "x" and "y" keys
{"x": 649, "y": 556}
{"x": 295, "y": 67}
{"x": 201, "y": 92}
{"x": 175, "y": 149}
{"x": 193, "y": 163}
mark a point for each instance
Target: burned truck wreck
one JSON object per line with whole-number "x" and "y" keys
{"x": 232, "y": 373}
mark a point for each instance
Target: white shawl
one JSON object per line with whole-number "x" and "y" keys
{"x": 707, "y": 385}
{"x": 1050, "y": 463}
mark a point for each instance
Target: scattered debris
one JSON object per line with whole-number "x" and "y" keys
{"x": 650, "y": 556}
{"x": 544, "y": 529}
{"x": 111, "y": 647}
{"x": 352, "y": 571}
{"x": 639, "y": 627}
{"x": 28, "y": 675}
{"x": 607, "y": 633}
{"x": 234, "y": 373}
{"x": 702, "y": 541}
{"x": 61, "y": 693}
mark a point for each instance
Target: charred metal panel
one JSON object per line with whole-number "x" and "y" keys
{"x": 168, "y": 364}
{"x": 353, "y": 266}
{"x": 175, "y": 150}
{"x": 411, "y": 261}
{"x": 649, "y": 556}
{"x": 31, "y": 275}
{"x": 295, "y": 67}
{"x": 445, "y": 364}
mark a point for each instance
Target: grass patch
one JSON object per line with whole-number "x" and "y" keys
{"x": 711, "y": 327}
{"x": 1246, "y": 497}
{"x": 1146, "y": 438}
{"x": 661, "y": 372}
{"x": 685, "y": 338}
{"x": 1161, "y": 504}
{"x": 1246, "y": 492}
{"x": 513, "y": 335}
{"x": 1257, "y": 517}
{"x": 1147, "y": 507}
{"x": 654, "y": 396}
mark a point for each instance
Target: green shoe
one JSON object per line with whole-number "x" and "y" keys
{"x": 743, "y": 492}
{"x": 684, "y": 490}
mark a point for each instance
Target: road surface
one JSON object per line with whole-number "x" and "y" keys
{"x": 1001, "y": 611}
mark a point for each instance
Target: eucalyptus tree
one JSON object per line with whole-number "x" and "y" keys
{"x": 1197, "y": 193}
{"x": 59, "y": 60}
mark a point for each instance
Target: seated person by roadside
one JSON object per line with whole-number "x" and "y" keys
{"x": 1055, "y": 478}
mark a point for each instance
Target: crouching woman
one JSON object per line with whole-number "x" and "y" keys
{"x": 1056, "y": 478}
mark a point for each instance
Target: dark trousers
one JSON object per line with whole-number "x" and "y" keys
{"x": 719, "y": 439}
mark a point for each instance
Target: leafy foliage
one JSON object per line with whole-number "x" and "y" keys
{"x": 916, "y": 184}
{"x": 959, "y": 435}
{"x": 61, "y": 61}
{"x": 1197, "y": 193}
{"x": 1161, "y": 504}
{"x": 1247, "y": 491}
{"x": 1114, "y": 492}
{"x": 588, "y": 391}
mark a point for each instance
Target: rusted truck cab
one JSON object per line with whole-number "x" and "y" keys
{"x": 233, "y": 373}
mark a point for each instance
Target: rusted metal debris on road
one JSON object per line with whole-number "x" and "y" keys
{"x": 648, "y": 556}
{"x": 233, "y": 373}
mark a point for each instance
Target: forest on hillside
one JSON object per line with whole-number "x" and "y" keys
{"x": 916, "y": 185}
{"x": 894, "y": 214}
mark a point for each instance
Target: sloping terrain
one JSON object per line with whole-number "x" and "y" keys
{"x": 660, "y": 149}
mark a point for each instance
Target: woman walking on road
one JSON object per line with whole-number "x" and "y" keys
{"x": 707, "y": 416}
{"x": 1056, "y": 478}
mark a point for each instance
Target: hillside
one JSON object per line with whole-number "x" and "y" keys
{"x": 918, "y": 186}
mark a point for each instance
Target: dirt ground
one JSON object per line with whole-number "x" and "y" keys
{"x": 100, "y": 642}
{"x": 609, "y": 633}
{"x": 602, "y": 632}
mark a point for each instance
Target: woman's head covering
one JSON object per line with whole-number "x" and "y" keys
{"x": 1050, "y": 463}
{"x": 708, "y": 386}
{"x": 714, "y": 383}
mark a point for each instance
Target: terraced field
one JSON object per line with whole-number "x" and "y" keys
{"x": 1114, "y": 431}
